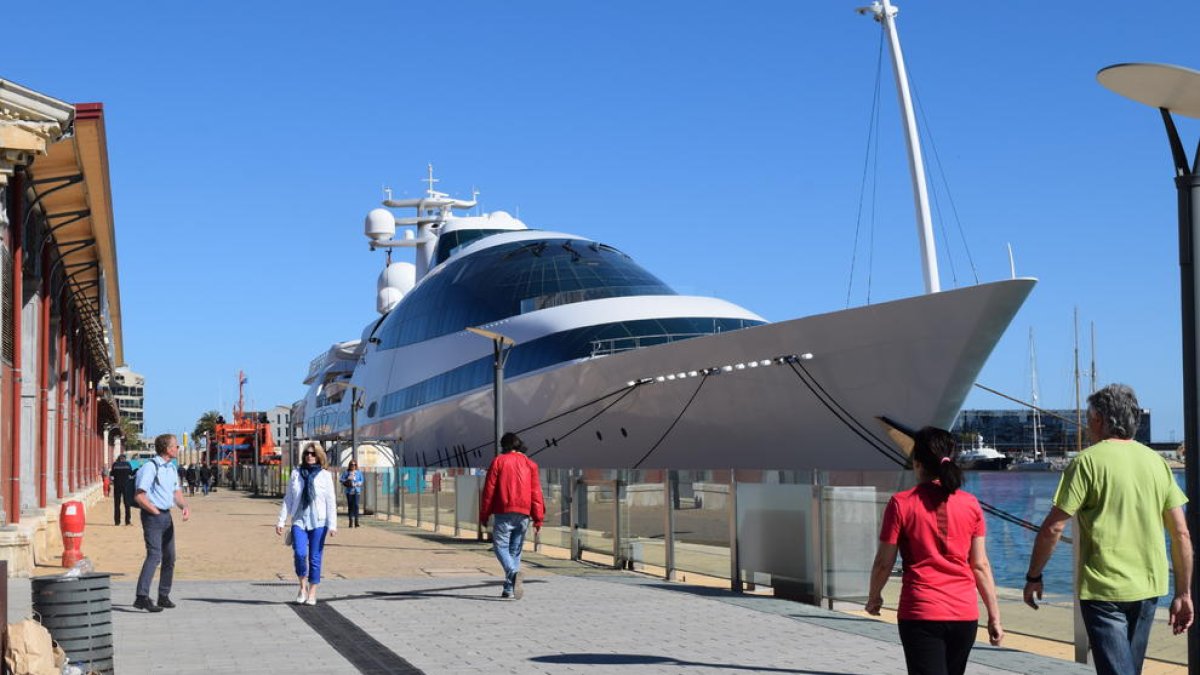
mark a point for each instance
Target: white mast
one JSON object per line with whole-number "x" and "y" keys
{"x": 885, "y": 13}
{"x": 1037, "y": 413}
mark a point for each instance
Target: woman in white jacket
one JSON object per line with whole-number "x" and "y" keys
{"x": 311, "y": 503}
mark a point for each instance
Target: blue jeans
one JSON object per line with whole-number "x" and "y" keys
{"x": 508, "y": 540}
{"x": 352, "y": 508}
{"x": 308, "y": 547}
{"x": 1118, "y": 632}
{"x": 158, "y": 531}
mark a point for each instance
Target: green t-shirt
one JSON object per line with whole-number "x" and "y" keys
{"x": 1117, "y": 492}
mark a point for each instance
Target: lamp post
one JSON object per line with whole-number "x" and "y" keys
{"x": 501, "y": 346}
{"x": 355, "y": 404}
{"x": 1173, "y": 89}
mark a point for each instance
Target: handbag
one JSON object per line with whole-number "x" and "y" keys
{"x": 287, "y": 538}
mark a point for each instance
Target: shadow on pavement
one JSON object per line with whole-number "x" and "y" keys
{"x": 648, "y": 659}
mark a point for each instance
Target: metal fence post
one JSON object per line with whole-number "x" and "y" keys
{"x": 420, "y": 493}
{"x": 618, "y": 563}
{"x": 437, "y": 509}
{"x": 402, "y": 492}
{"x": 735, "y": 564}
{"x": 670, "y": 491}
{"x": 817, "y": 541}
{"x": 1081, "y": 639}
{"x": 573, "y": 511}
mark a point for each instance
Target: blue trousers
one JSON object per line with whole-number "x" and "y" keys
{"x": 308, "y": 547}
{"x": 159, "y": 533}
{"x": 1118, "y": 632}
{"x": 508, "y": 540}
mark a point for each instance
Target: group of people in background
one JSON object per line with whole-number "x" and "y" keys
{"x": 1120, "y": 493}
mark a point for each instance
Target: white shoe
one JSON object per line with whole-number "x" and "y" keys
{"x": 300, "y": 598}
{"x": 312, "y": 600}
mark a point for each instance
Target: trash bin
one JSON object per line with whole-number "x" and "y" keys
{"x": 78, "y": 613}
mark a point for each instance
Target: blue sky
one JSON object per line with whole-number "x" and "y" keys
{"x": 720, "y": 144}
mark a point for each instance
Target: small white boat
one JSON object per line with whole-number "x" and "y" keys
{"x": 980, "y": 457}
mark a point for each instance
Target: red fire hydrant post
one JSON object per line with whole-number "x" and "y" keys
{"x": 71, "y": 520}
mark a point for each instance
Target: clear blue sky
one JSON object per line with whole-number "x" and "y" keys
{"x": 721, "y": 144}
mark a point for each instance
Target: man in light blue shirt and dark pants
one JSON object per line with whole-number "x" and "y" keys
{"x": 158, "y": 489}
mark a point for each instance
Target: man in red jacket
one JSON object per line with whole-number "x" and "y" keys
{"x": 513, "y": 494}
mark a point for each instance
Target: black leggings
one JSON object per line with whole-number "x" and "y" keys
{"x": 937, "y": 647}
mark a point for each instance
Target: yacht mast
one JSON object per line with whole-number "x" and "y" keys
{"x": 1037, "y": 414}
{"x": 1078, "y": 411}
{"x": 885, "y": 13}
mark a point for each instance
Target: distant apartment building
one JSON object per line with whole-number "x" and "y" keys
{"x": 129, "y": 390}
{"x": 1012, "y": 430}
{"x": 280, "y": 418}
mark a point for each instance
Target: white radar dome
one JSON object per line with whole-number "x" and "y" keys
{"x": 401, "y": 276}
{"x": 388, "y": 299}
{"x": 380, "y": 225}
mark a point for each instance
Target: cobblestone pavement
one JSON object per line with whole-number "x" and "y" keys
{"x": 399, "y": 600}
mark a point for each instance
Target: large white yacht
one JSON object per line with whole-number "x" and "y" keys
{"x": 611, "y": 368}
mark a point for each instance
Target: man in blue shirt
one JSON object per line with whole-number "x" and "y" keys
{"x": 158, "y": 489}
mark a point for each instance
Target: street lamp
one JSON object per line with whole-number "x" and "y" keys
{"x": 501, "y": 346}
{"x": 356, "y": 402}
{"x": 1173, "y": 89}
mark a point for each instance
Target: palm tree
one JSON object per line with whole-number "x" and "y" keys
{"x": 207, "y": 424}
{"x": 130, "y": 438}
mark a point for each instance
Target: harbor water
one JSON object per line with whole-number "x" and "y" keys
{"x": 1027, "y": 495}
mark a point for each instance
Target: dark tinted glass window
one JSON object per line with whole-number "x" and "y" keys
{"x": 452, "y": 241}
{"x": 565, "y": 346}
{"x": 512, "y": 278}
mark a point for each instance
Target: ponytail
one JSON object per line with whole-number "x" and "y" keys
{"x": 934, "y": 449}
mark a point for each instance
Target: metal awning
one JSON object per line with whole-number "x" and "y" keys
{"x": 71, "y": 184}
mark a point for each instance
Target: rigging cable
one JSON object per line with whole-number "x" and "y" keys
{"x": 872, "y": 129}
{"x": 890, "y": 453}
{"x": 846, "y": 418}
{"x": 624, "y": 391}
{"x": 1043, "y": 411}
{"x": 673, "y": 423}
{"x": 627, "y": 391}
{"x": 946, "y": 186}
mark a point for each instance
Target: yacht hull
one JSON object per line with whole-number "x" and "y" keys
{"x": 912, "y": 360}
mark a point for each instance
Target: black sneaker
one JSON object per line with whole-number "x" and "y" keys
{"x": 143, "y": 602}
{"x": 165, "y": 603}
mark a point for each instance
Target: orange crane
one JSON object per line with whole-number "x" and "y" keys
{"x": 236, "y": 441}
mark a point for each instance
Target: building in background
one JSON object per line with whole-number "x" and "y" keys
{"x": 280, "y": 418}
{"x": 1011, "y": 431}
{"x": 128, "y": 389}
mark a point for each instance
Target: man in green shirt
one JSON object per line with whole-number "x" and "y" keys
{"x": 1120, "y": 493}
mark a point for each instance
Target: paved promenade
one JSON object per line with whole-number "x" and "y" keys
{"x": 399, "y": 600}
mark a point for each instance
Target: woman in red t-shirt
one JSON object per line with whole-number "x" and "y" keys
{"x": 938, "y": 530}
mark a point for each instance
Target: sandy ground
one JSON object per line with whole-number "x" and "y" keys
{"x": 231, "y": 535}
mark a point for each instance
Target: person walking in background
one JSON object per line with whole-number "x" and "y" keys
{"x": 1120, "y": 493}
{"x": 311, "y": 503}
{"x": 193, "y": 477}
{"x": 512, "y": 493}
{"x": 938, "y": 529}
{"x": 205, "y": 477}
{"x": 158, "y": 489}
{"x": 121, "y": 476}
{"x": 352, "y": 481}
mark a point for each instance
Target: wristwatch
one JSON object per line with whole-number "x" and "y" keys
{"x": 1032, "y": 579}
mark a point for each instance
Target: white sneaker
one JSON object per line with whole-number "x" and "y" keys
{"x": 300, "y": 598}
{"x": 312, "y": 600}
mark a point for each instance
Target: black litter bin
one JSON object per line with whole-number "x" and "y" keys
{"x": 78, "y": 613}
